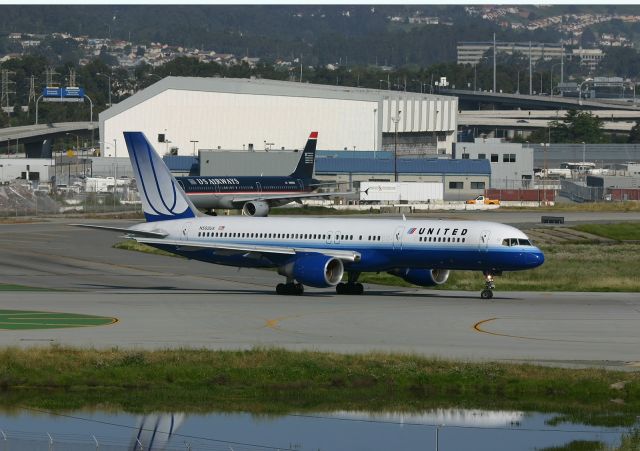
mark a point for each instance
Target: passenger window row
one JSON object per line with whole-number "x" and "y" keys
{"x": 516, "y": 242}
{"x": 294, "y": 236}
{"x": 442, "y": 239}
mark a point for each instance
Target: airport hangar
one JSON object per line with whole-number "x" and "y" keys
{"x": 182, "y": 115}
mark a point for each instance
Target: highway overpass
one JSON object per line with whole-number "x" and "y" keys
{"x": 535, "y": 102}
{"x": 613, "y": 120}
{"x": 37, "y": 139}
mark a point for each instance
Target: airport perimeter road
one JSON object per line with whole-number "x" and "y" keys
{"x": 165, "y": 302}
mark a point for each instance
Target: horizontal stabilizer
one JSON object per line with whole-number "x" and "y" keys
{"x": 132, "y": 232}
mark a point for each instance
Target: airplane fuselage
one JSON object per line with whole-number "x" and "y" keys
{"x": 382, "y": 244}
{"x": 227, "y": 192}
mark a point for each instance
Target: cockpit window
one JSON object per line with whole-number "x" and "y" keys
{"x": 516, "y": 242}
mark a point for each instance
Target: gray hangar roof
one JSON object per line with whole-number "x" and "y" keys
{"x": 259, "y": 87}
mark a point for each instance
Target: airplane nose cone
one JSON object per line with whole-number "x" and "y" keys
{"x": 534, "y": 259}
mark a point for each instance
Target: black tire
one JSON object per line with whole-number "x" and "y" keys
{"x": 486, "y": 294}
{"x": 359, "y": 289}
{"x": 298, "y": 289}
{"x": 281, "y": 288}
{"x": 341, "y": 288}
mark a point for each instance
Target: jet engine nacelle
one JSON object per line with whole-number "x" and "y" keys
{"x": 422, "y": 277}
{"x": 314, "y": 270}
{"x": 255, "y": 208}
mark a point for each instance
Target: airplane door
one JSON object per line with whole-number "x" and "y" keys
{"x": 397, "y": 238}
{"x": 337, "y": 237}
{"x": 329, "y": 237}
{"x": 483, "y": 244}
{"x": 258, "y": 187}
{"x": 300, "y": 184}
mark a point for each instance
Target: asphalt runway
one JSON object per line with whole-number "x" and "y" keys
{"x": 165, "y": 302}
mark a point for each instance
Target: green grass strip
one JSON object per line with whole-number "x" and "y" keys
{"x": 14, "y": 287}
{"x": 619, "y": 232}
{"x": 275, "y": 380}
{"x": 28, "y": 319}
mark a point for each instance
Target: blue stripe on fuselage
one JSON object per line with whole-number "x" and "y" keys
{"x": 382, "y": 257}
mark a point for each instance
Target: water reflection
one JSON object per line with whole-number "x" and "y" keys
{"x": 338, "y": 430}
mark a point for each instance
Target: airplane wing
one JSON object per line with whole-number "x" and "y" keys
{"x": 345, "y": 255}
{"x": 131, "y": 232}
{"x": 280, "y": 197}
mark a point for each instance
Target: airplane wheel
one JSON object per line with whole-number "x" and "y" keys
{"x": 281, "y": 288}
{"x": 341, "y": 288}
{"x": 486, "y": 294}
{"x": 298, "y": 289}
{"x": 359, "y": 289}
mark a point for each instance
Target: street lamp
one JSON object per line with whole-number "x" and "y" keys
{"x": 584, "y": 148}
{"x": 395, "y": 120}
{"x": 518, "y": 86}
{"x": 77, "y": 140}
{"x": 194, "y": 141}
{"x": 109, "y": 77}
{"x": 580, "y": 90}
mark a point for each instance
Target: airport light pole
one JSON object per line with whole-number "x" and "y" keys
{"x": 551, "y": 80}
{"x": 395, "y": 120}
{"x": 109, "y": 77}
{"x": 77, "y": 140}
{"x": 584, "y": 149}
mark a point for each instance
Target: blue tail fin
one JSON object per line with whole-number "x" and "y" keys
{"x": 304, "y": 170}
{"x": 161, "y": 196}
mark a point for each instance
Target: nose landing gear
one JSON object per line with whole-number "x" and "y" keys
{"x": 489, "y": 286}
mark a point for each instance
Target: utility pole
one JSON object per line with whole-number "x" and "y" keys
{"x": 494, "y": 62}
{"x": 562, "y": 65}
{"x": 6, "y": 90}
{"x": 530, "y": 72}
{"x": 72, "y": 77}
{"x": 32, "y": 89}
{"x": 49, "y": 73}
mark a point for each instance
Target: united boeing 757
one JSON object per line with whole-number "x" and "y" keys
{"x": 318, "y": 252}
{"x": 255, "y": 196}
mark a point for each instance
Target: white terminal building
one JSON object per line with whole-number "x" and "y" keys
{"x": 183, "y": 115}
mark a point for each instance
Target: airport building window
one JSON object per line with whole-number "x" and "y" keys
{"x": 465, "y": 156}
{"x": 494, "y": 158}
{"x": 482, "y": 156}
{"x": 456, "y": 185}
{"x": 509, "y": 158}
{"x": 477, "y": 185}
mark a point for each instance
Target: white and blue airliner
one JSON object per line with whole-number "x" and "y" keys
{"x": 317, "y": 252}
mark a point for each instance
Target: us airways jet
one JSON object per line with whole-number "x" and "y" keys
{"x": 317, "y": 252}
{"x": 255, "y": 196}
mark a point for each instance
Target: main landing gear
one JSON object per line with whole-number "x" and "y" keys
{"x": 352, "y": 286}
{"x": 489, "y": 286}
{"x": 290, "y": 288}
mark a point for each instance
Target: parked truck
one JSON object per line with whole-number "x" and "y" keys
{"x": 483, "y": 200}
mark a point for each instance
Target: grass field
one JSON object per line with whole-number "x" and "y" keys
{"x": 620, "y": 232}
{"x": 14, "y": 287}
{"x": 274, "y": 380}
